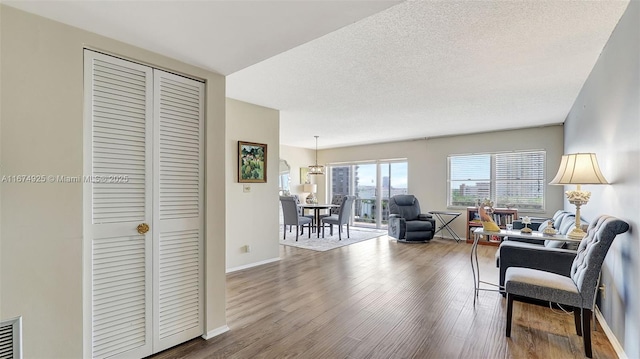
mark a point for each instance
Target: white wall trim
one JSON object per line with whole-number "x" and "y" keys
{"x": 215, "y": 332}
{"x": 609, "y": 333}
{"x": 251, "y": 265}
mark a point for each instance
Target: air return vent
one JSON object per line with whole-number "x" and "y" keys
{"x": 11, "y": 338}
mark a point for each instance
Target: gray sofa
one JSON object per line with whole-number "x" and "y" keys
{"x": 551, "y": 256}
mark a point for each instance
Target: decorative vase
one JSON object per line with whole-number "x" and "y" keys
{"x": 311, "y": 199}
{"x": 526, "y": 221}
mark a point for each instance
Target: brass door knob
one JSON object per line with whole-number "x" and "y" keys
{"x": 143, "y": 228}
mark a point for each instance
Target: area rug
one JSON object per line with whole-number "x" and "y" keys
{"x": 329, "y": 242}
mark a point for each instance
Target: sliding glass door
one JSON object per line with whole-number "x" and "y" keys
{"x": 394, "y": 182}
{"x": 373, "y": 183}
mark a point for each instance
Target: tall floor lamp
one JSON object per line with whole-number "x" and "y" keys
{"x": 578, "y": 169}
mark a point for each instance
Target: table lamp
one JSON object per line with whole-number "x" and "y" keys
{"x": 311, "y": 188}
{"x": 578, "y": 169}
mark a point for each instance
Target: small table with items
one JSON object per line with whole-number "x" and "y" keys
{"x": 316, "y": 212}
{"x": 444, "y": 223}
{"x": 479, "y": 232}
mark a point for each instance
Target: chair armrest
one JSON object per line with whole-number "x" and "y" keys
{"x": 396, "y": 227}
{"x": 428, "y": 217}
{"x": 519, "y": 254}
{"x": 424, "y": 216}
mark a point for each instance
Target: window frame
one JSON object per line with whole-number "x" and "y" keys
{"x": 493, "y": 178}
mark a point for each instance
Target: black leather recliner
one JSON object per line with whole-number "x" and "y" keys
{"x": 406, "y": 223}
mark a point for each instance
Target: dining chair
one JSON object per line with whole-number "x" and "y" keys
{"x": 337, "y": 200}
{"x": 301, "y": 211}
{"x": 577, "y": 290}
{"x": 292, "y": 218}
{"x": 341, "y": 218}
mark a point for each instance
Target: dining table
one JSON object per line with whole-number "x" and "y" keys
{"x": 316, "y": 207}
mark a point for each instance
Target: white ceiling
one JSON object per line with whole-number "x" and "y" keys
{"x": 357, "y": 72}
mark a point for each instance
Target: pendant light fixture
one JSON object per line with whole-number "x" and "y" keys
{"x": 316, "y": 169}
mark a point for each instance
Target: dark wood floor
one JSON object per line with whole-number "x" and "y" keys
{"x": 382, "y": 299}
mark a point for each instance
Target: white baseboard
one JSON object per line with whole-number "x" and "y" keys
{"x": 214, "y": 333}
{"x": 251, "y": 265}
{"x": 609, "y": 333}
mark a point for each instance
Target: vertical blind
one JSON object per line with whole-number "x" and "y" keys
{"x": 514, "y": 179}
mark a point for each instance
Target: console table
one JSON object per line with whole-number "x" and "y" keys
{"x": 479, "y": 232}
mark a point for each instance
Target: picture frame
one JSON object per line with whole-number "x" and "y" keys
{"x": 252, "y": 162}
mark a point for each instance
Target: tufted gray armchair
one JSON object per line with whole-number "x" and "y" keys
{"x": 579, "y": 288}
{"x": 406, "y": 223}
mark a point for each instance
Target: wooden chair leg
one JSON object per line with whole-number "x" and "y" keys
{"x": 509, "y": 313}
{"x": 339, "y": 232}
{"x": 309, "y": 231}
{"x": 331, "y": 230}
{"x": 577, "y": 319}
{"x": 285, "y": 231}
{"x": 586, "y": 331}
{"x": 297, "y": 232}
{"x": 348, "y": 230}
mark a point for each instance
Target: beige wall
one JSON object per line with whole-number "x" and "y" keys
{"x": 42, "y": 133}
{"x": 605, "y": 119}
{"x": 252, "y": 218}
{"x": 427, "y": 161}
{"x": 297, "y": 158}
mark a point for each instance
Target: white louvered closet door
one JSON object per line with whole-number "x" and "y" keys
{"x": 146, "y": 289}
{"x": 118, "y": 97}
{"x": 178, "y": 193}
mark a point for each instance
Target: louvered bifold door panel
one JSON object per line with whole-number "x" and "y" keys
{"x": 11, "y": 338}
{"x": 120, "y": 104}
{"x": 179, "y": 106}
{"x": 6, "y": 341}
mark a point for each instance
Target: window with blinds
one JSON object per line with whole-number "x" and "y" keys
{"x": 511, "y": 179}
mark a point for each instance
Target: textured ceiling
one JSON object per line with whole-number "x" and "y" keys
{"x": 433, "y": 68}
{"x": 357, "y": 72}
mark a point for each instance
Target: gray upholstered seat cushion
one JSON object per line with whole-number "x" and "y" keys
{"x": 332, "y": 219}
{"x": 533, "y": 283}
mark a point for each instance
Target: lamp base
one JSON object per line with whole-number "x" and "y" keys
{"x": 577, "y": 233}
{"x": 311, "y": 199}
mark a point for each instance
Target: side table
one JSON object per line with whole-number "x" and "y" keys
{"x": 444, "y": 223}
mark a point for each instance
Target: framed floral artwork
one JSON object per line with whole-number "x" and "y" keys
{"x": 252, "y": 162}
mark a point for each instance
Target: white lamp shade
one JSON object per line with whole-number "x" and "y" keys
{"x": 310, "y": 188}
{"x": 579, "y": 168}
